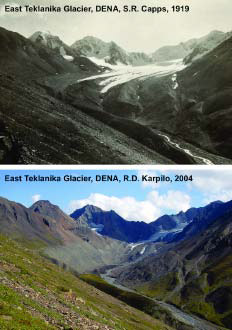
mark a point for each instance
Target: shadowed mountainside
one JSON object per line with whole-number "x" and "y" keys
{"x": 50, "y": 115}
{"x": 194, "y": 274}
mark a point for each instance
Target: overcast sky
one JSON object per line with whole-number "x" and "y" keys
{"x": 132, "y": 31}
{"x": 134, "y": 201}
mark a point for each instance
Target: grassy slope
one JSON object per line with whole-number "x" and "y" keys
{"x": 162, "y": 288}
{"x": 35, "y": 294}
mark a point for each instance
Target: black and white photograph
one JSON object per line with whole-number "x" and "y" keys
{"x": 88, "y": 82}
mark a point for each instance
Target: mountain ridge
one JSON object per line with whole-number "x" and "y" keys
{"x": 186, "y": 272}
{"x": 193, "y": 274}
{"x": 43, "y": 82}
{"x": 192, "y": 49}
{"x": 164, "y": 228}
{"x": 189, "y": 50}
{"x": 110, "y": 52}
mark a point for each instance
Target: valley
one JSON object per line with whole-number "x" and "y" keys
{"x": 187, "y": 319}
{"x": 174, "y": 269}
{"x": 93, "y": 96}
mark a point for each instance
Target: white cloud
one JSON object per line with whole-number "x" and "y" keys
{"x": 213, "y": 180}
{"x": 174, "y": 200}
{"x": 224, "y": 196}
{"x": 214, "y": 185}
{"x": 36, "y": 198}
{"x": 131, "y": 209}
{"x": 127, "y": 207}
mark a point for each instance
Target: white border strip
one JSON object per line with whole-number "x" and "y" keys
{"x": 114, "y": 167}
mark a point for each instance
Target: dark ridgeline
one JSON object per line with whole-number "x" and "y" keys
{"x": 196, "y": 262}
{"x": 56, "y": 119}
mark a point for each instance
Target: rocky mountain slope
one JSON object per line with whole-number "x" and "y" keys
{"x": 109, "y": 52}
{"x": 205, "y": 44}
{"x": 211, "y": 106}
{"x": 111, "y": 224}
{"x": 184, "y": 110}
{"x": 165, "y": 228}
{"x": 30, "y": 59}
{"x": 47, "y": 40}
{"x": 164, "y": 117}
{"x": 64, "y": 241}
{"x": 192, "y": 49}
{"x": 193, "y": 274}
{"x": 53, "y": 42}
{"x": 203, "y": 219}
{"x": 37, "y": 126}
{"x": 19, "y": 221}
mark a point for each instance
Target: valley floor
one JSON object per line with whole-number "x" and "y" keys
{"x": 177, "y": 314}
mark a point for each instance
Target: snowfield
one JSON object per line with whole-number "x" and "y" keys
{"x": 121, "y": 74}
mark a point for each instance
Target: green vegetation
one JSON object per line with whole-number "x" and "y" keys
{"x": 35, "y": 294}
{"x": 161, "y": 288}
{"x": 135, "y": 300}
{"x": 214, "y": 298}
{"x": 208, "y": 295}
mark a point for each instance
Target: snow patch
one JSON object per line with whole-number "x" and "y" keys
{"x": 68, "y": 58}
{"x": 96, "y": 227}
{"x": 102, "y": 62}
{"x": 95, "y": 230}
{"x": 143, "y": 250}
{"x": 133, "y": 245}
{"x": 45, "y": 34}
{"x": 175, "y": 83}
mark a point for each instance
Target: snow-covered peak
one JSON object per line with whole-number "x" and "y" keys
{"x": 47, "y": 39}
{"x": 43, "y": 34}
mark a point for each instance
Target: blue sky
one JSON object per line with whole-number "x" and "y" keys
{"x": 134, "y": 201}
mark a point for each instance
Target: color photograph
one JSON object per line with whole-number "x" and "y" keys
{"x": 116, "y": 249}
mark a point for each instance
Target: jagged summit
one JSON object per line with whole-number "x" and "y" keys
{"x": 110, "y": 52}
{"x": 42, "y": 204}
{"x": 47, "y": 39}
{"x": 41, "y": 33}
{"x": 87, "y": 209}
{"x": 46, "y": 208}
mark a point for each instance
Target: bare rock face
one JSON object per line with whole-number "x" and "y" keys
{"x": 167, "y": 228}
{"x": 110, "y": 52}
